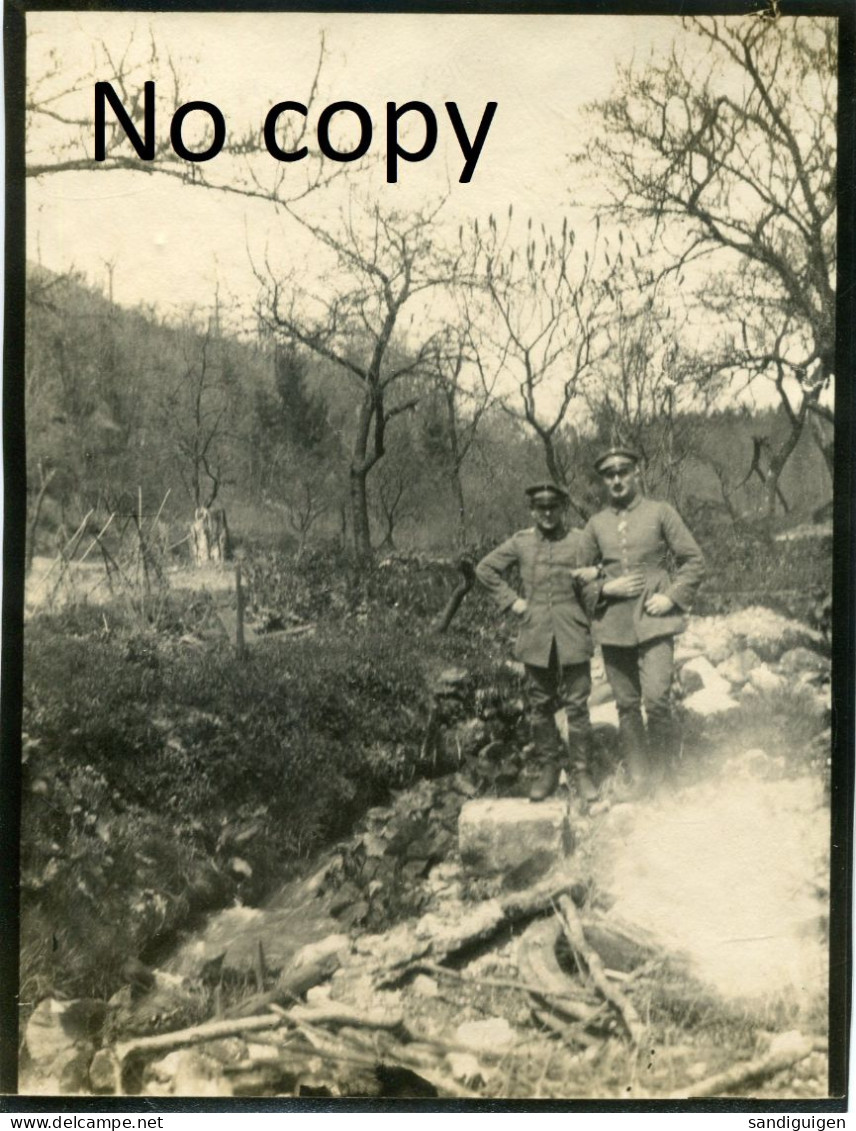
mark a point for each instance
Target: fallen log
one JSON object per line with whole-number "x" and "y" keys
{"x": 443, "y": 941}
{"x": 573, "y": 929}
{"x": 785, "y": 1051}
{"x": 576, "y": 1008}
{"x": 292, "y": 984}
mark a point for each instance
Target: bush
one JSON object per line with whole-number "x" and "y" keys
{"x": 152, "y": 762}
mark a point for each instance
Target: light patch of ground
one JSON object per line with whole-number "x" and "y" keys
{"x": 52, "y": 583}
{"x": 732, "y": 872}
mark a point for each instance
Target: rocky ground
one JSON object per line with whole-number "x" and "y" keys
{"x": 465, "y": 942}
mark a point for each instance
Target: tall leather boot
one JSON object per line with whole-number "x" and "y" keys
{"x": 663, "y": 747}
{"x": 579, "y": 742}
{"x": 546, "y": 739}
{"x": 631, "y": 732}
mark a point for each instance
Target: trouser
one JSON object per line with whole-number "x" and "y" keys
{"x": 642, "y": 676}
{"x": 554, "y": 688}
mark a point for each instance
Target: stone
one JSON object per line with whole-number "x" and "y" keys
{"x": 61, "y": 1038}
{"x": 331, "y": 947}
{"x": 601, "y": 693}
{"x": 605, "y": 714}
{"x": 466, "y": 1068}
{"x": 690, "y": 680}
{"x": 486, "y": 1036}
{"x": 737, "y": 668}
{"x": 423, "y": 986}
{"x": 769, "y": 633}
{"x": 711, "y": 680}
{"x": 104, "y": 1073}
{"x": 706, "y": 703}
{"x": 765, "y": 680}
{"x": 55, "y": 1027}
{"x": 797, "y": 661}
{"x": 497, "y": 835}
{"x": 452, "y": 681}
{"x": 186, "y": 1072}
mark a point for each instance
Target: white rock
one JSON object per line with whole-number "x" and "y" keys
{"x": 423, "y": 986}
{"x": 605, "y": 714}
{"x": 764, "y": 679}
{"x": 484, "y": 1036}
{"x": 465, "y": 1067}
{"x": 329, "y": 947}
{"x": 706, "y": 702}
{"x": 711, "y": 680}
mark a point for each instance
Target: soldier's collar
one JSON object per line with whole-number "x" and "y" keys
{"x": 557, "y": 537}
{"x": 631, "y": 506}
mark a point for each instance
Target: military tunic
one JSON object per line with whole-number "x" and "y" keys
{"x": 634, "y": 538}
{"x": 557, "y": 603}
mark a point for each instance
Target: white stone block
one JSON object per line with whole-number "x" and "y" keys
{"x": 498, "y": 834}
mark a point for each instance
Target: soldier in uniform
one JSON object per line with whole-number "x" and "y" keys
{"x": 642, "y": 606}
{"x": 553, "y": 640}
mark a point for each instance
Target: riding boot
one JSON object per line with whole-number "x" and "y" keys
{"x": 631, "y": 732}
{"x": 663, "y": 747}
{"x": 547, "y": 748}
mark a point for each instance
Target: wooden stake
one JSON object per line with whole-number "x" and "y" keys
{"x": 260, "y": 967}
{"x": 240, "y": 646}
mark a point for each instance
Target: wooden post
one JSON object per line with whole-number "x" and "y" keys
{"x": 240, "y": 646}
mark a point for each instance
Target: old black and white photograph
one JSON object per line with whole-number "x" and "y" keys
{"x": 427, "y": 573}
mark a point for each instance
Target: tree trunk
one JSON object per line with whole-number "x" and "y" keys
{"x": 360, "y": 516}
{"x": 359, "y": 472}
{"x": 460, "y": 507}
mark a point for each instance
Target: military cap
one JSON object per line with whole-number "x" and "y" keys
{"x": 617, "y": 456}
{"x": 546, "y": 492}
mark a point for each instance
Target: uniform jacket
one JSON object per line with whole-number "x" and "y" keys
{"x": 556, "y": 601}
{"x": 639, "y": 537}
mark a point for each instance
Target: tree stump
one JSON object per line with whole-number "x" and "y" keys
{"x": 209, "y": 536}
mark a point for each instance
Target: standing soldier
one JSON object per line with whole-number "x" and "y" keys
{"x": 553, "y": 641}
{"x": 641, "y": 608}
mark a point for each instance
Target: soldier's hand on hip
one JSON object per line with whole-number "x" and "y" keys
{"x": 520, "y": 606}
{"x": 630, "y": 585}
{"x": 659, "y": 605}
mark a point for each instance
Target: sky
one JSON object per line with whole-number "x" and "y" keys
{"x": 171, "y": 245}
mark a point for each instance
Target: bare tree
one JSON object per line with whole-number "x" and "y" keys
{"x": 727, "y": 150}
{"x": 194, "y": 412}
{"x": 543, "y": 323}
{"x": 463, "y": 406}
{"x": 651, "y": 386}
{"x": 61, "y": 127}
{"x": 386, "y": 263}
